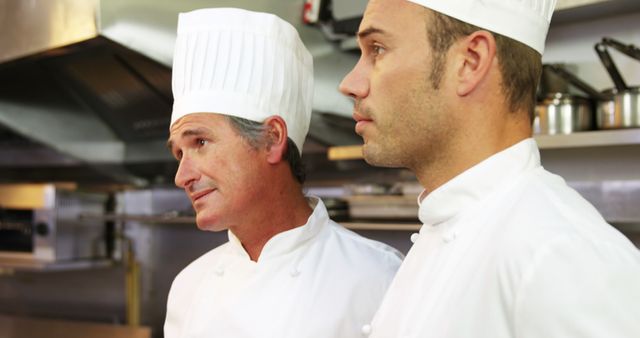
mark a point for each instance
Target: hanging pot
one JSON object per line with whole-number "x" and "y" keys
{"x": 564, "y": 113}
{"x": 625, "y": 109}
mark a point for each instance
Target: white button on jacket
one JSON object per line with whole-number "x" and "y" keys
{"x": 315, "y": 281}
{"x": 508, "y": 250}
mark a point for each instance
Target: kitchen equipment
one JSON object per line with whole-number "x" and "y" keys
{"x": 15, "y": 326}
{"x": 625, "y": 110}
{"x": 550, "y": 82}
{"x": 565, "y": 113}
{"x": 40, "y": 223}
{"x": 382, "y": 207}
{"x": 337, "y": 208}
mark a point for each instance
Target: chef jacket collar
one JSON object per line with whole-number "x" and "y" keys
{"x": 476, "y": 183}
{"x": 288, "y": 241}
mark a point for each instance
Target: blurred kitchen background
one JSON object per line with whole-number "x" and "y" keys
{"x": 92, "y": 230}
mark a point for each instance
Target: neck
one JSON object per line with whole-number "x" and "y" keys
{"x": 479, "y": 140}
{"x": 275, "y": 211}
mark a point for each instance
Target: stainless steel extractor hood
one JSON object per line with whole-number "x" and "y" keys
{"x": 87, "y": 83}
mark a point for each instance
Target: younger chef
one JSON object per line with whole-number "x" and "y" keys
{"x": 507, "y": 250}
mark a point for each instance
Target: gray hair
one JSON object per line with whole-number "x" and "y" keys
{"x": 254, "y": 133}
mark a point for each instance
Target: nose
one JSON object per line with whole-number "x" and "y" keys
{"x": 356, "y": 83}
{"x": 186, "y": 174}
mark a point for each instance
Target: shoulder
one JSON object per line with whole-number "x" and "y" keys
{"x": 544, "y": 209}
{"x": 363, "y": 250}
{"x": 571, "y": 281}
{"x": 563, "y": 262}
{"x": 545, "y": 216}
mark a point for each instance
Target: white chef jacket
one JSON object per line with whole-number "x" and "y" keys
{"x": 319, "y": 280}
{"x": 507, "y": 249}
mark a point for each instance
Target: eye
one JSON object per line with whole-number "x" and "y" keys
{"x": 201, "y": 141}
{"x": 377, "y": 50}
{"x": 178, "y": 155}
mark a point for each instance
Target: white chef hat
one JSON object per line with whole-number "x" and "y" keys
{"x": 245, "y": 64}
{"x": 526, "y": 21}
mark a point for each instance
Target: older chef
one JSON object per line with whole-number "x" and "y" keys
{"x": 446, "y": 89}
{"x": 243, "y": 84}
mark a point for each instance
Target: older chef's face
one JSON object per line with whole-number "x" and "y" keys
{"x": 398, "y": 111}
{"x": 219, "y": 170}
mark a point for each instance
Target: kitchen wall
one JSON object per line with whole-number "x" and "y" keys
{"x": 573, "y": 43}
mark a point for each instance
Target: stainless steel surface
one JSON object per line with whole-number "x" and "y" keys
{"x": 47, "y": 24}
{"x": 625, "y": 111}
{"x": 387, "y": 226}
{"x": 44, "y": 266}
{"x": 627, "y": 108}
{"x": 22, "y": 327}
{"x": 85, "y": 103}
{"x": 586, "y": 139}
{"x": 154, "y": 202}
{"x": 562, "y": 114}
{"x": 590, "y": 139}
{"x": 606, "y": 111}
{"x": 96, "y": 95}
{"x": 388, "y": 207}
{"x": 575, "y": 81}
{"x": 617, "y": 201}
{"x": 568, "y": 11}
{"x": 622, "y": 112}
{"x": 57, "y": 233}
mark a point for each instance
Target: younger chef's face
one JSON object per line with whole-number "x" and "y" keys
{"x": 219, "y": 170}
{"x": 399, "y": 113}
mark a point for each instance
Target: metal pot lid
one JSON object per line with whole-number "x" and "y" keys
{"x": 564, "y": 98}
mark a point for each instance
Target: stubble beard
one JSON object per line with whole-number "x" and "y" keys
{"x": 416, "y": 135}
{"x": 379, "y": 152}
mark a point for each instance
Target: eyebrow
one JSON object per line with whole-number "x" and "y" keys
{"x": 186, "y": 133}
{"x": 371, "y": 30}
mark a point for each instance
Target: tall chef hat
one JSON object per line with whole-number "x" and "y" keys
{"x": 526, "y": 21}
{"x": 245, "y": 64}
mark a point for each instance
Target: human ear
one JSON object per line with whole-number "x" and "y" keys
{"x": 477, "y": 51}
{"x": 276, "y": 137}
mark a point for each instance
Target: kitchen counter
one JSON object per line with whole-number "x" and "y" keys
{"x": 24, "y": 327}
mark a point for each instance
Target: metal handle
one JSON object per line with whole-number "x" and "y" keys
{"x": 608, "y": 63}
{"x": 629, "y": 50}
{"x": 574, "y": 80}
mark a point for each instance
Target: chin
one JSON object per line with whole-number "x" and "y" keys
{"x": 209, "y": 224}
{"x": 377, "y": 157}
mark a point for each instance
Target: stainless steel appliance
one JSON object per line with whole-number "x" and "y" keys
{"x": 625, "y": 111}
{"x": 565, "y": 113}
{"x": 41, "y": 223}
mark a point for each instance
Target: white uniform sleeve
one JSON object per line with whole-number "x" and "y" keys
{"x": 576, "y": 288}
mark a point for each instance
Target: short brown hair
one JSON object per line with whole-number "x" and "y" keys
{"x": 520, "y": 65}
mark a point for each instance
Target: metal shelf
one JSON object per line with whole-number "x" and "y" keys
{"x": 10, "y": 265}
{"x": 582, "y": 10}
{"x": 391, "y": 225}
{"x": 151, "y": 219}
{"x": 382, "y": 226}
{"x": 598, "y": 138}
